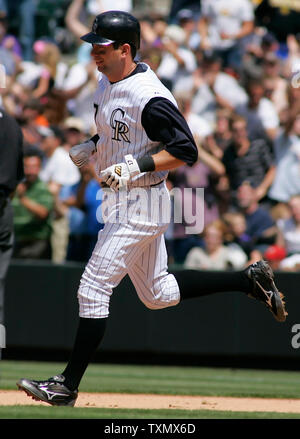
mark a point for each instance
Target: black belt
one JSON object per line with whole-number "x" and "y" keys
{"x": 156, "y": 184}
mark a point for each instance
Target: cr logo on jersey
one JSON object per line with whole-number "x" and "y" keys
{"x": 120, "y": 129}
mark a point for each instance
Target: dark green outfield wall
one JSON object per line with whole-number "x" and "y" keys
{"x": 42, "y": 312}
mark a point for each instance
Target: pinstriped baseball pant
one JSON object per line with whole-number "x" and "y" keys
{"x": 132, "y": 243}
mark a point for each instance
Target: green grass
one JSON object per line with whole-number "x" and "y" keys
{"x": 164, "y": 379}
{"x": 33, "y": 412}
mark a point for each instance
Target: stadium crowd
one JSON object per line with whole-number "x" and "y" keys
{"x": 235, "y": 83}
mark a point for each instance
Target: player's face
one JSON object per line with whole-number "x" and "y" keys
{"x": 107, "y": 59}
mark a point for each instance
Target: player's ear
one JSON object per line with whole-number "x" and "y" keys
{"x": 125, "y": 49}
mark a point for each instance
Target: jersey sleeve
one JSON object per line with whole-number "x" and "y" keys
{"x": 164, "y": 123}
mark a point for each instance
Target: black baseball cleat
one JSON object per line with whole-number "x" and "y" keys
{"x": 265, "y": 290}
{"x": 52, "y": 391}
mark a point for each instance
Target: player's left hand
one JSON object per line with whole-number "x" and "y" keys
{"x": 117, "y": 176}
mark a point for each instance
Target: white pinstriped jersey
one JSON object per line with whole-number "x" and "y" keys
{"x": 118, "y": 112}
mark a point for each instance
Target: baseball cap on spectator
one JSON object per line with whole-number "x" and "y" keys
{"x": 184, "y": 15}
{"x": 52, "y": 131}
{"x": 45, "y": 131}
{"x": 268, "y": 39}
{"x": 275, "y": 253}
{"x": 32, "y": 150}
{"x": 74, "y": 123}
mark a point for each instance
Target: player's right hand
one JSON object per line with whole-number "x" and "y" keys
{"x": 118, "y": 175}
{"x": 80, "y": 154}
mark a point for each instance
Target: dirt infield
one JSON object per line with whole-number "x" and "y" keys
{"x": 145, "y": 401}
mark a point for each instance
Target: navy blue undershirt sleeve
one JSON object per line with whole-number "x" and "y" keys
{"x": 95, "y": 139}
{"x": 164, "y": 123}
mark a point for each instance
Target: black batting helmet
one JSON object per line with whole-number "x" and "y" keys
{"x": 113, "y": 26}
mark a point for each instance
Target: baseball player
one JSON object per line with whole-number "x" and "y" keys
{"x": 141, "y": 135}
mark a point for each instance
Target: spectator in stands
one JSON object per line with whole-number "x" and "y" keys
{"x": 8, "y": 58}
{"x": 213, "y": 89}
{"x": 237, "y": 236}
{"x": 32, "y": 119}
{"x": 187, "y": 21}
{"x": 33, "y": 206}
{"x": 57, "y": 170}
{"x": 221, "y": 137}
{"x": 294, "y": 100}
{"x": 7, "y": 41}
{"x": 247, "y": 160}
{"x": 199, "y": 127}
{"x": 292, "y": 64}
{"x": 288, "y": 136}
{"x": 152, "y": 57}
{"x": 47, "y": 55}
{"x": 260, "y": 113}
{"x": 222, "y": 27}
{"x": 287, "y": 155}
{"x": 178, "y": 62}
{"x": 260, "y": 225}
{"x": 260, "y": 45}
{"x": 280, "y": 211}
{"x": 78, "y": 28}
{"x": 152, "y": 31}
{"x": 57, "y": 166}
{"x": 214, "y": 255}
{"x": 274, "y": 84}
{"x": 289, "y": 235}
{"x": 22, "y": 14}
{"x": 178, "y": 5}
{"x": 73, "y": 133}
{"x": 77, "y": 90}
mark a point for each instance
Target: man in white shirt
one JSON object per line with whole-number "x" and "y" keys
{"x": 212, "y": 88}
{"x": 259, "y": 110}
{"x": 223, "y": 25}
{"x": 177, "y": 60}
{"x": 57, "y": 166}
